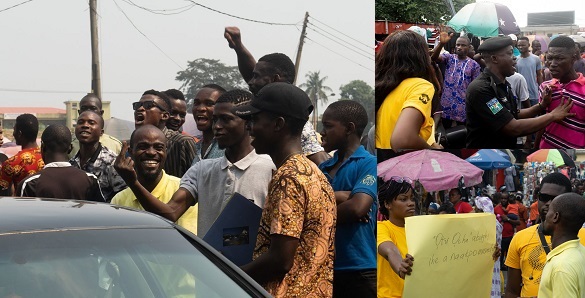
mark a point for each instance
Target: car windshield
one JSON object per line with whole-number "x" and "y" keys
{"x": 109, "y": 263}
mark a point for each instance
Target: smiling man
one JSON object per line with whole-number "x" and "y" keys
{"x": 566, "y": 83}
{"x": 153, "y": 108}
{"x": 95, "y": 158}
{"x": 494, "y": 119}
{"x": 203, "y": 105}
{"x": 212, "y": 182}
{"x": 178, "y": 109}
{"x": 147, "y": 158}
{"x": 91, "y": 102}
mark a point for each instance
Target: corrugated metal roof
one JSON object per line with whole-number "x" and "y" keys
{"x": 30, "y": 110}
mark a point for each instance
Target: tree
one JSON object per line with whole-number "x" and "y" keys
{"x": 363, "y": 93}
{"x": 207, "y": 71}
{"x": 315, "y": 88}
{"x": 417, "y": 11}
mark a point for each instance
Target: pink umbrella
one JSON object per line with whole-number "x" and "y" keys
{"x": 544, "y": 41}
{"x": 435, "y": 170}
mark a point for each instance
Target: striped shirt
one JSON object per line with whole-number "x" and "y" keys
{"x": 570, "y": 132}
{"x": 180, "y": 153}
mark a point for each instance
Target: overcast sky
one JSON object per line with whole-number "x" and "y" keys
{"x": 46, "y": 45}
{"x": 520, "y": 9}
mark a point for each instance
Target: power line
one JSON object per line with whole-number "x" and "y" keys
{"x": 361, "y": 54}
{"x": 369, "y": 48}
{"x": 340, "y": 32}
{"x": 241, "y": 18}
{"x": 339, "y": 54}
{"x": 120, "y": 9}
{"x": 61, "y": 91}
{"x": 172, "y": 11}
{"x": 13, "y": 6}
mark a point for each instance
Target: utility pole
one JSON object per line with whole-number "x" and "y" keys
{"x": 300, "y": 50}
{"x": 96, "y": 84}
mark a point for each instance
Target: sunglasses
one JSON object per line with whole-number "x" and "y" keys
{"x": 545, "y": 197}
{"x": 147, "y": 105}
{"x": 401, "y": 179}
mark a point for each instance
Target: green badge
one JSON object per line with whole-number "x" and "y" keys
{"x": 494, "y": 105}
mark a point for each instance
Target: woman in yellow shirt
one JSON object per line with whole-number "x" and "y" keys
{"x": 396, "y": 198}
{"x": 405, "y": 86}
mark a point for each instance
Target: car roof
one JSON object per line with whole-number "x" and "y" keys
{"x": 38, "y": 214}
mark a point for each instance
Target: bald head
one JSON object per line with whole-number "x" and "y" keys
{"x": 570, "y": 208}
{"x": 147, "y": 129}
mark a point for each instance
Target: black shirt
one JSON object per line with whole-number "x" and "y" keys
{"x": 62, "y": 181}
{"x": 490, "y": 105}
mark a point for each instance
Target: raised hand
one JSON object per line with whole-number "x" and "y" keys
{"x": 445, "y": 37}
{"x": 233, "y": 37}
{"x": 125, "y": 166}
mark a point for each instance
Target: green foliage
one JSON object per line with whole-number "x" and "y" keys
{"x": 361, "y": 92}
{"x": 317, "y": 91}
{"x": 207, "y": 71}
{"x": 417, "y": 11}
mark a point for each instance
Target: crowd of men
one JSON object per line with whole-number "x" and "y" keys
{"x": 511, "y": 94}
{"x": 317, "y": 232}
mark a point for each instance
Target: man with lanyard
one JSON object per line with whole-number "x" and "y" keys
{"x": 527, "y": 253}
{"x": 493, "y": 117}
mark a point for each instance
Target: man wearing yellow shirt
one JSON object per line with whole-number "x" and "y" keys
{"x": 564, "y": 272}
{"x": 148, "y": 153}
{"x": 526, "y": 256}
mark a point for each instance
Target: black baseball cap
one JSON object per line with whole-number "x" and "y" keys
{"x": 494, "y": 44}
{"x": 280, "y": 98}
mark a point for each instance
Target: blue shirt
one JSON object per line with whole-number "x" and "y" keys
{"x": 355, "y": 243}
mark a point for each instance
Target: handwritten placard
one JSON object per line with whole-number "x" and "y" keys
{"x": 452, "y": 255}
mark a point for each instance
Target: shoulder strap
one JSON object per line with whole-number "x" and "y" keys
{"x": 542, "y": 240}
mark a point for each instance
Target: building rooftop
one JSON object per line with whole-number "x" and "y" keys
{"x": 30, "y": 110}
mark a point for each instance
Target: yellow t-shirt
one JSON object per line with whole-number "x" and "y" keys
{"x": 413, "y": 92}
{"x": 164, "y": 191}
{"x": 564, "y": 273}
{"x": 389, "y": 283}
{"x": 526, "y": 253}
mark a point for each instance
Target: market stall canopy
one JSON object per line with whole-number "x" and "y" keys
{"x": 435, "y": 170}
{"x": 485, "y": 19}
{"x": 559, "y": 157}
{"x": 489, "y": 159}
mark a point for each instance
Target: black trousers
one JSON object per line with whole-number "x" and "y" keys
{"x": 352, "y": 284}
{"x": 505, "y": 245}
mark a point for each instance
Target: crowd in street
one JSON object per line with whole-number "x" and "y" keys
{"x": 319, "y": 198}
{"x": 540, "y": 246}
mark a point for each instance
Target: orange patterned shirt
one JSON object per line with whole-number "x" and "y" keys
{"x": 301, "y": 204}
{"x": 26, "y": 162}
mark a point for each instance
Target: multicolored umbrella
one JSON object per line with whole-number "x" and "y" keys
{"x": 485, "y": 19}
{"x": 488, "y": 159}
{"x": 435, "y": 170}
{"x": 559, "y": 157}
